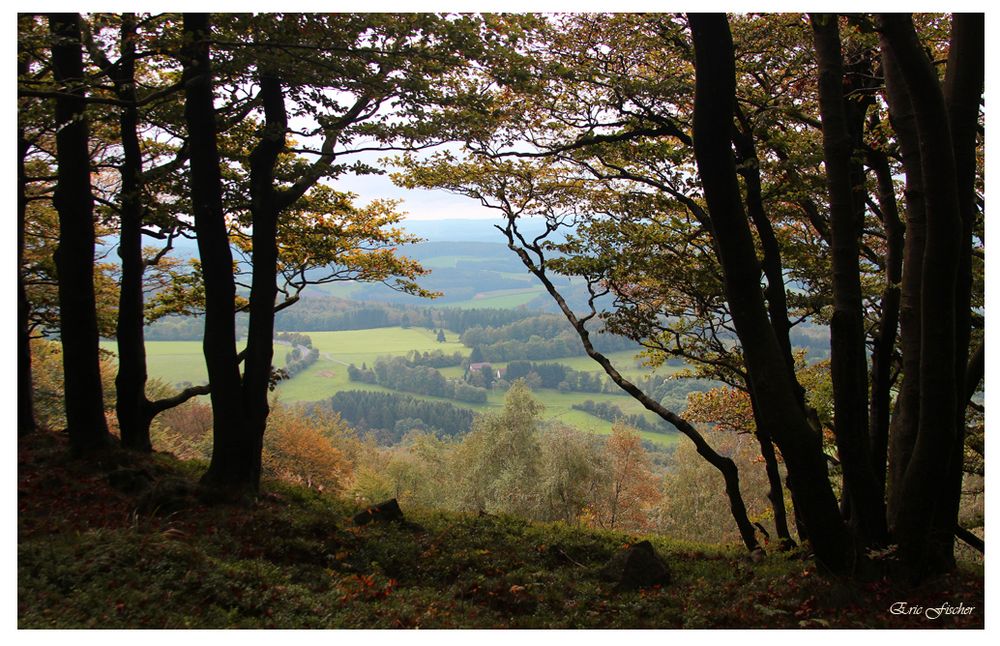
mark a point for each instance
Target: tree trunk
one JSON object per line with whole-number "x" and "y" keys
{"x": 963, "y": 90}
{"x": 903, "y": 426}
{"x": 74, "y": 202}
{"x": 885, "y": 338}
{"x": 25, "y": 393}
{"x": 924, "y": 483}
{"x": 848, "y": 360}
{"x": 265, "y": 208}
{"x": 775, "y": 491}
{"x": 715, "y": 91}
{"x": 777, "y": 308}
{"x": 230, "y": 471}
{"x": 130, "y": 384}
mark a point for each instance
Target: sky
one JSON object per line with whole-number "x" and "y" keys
{"x": 418, "y": 204}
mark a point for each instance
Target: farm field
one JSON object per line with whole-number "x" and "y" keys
{"x": 498, "y": 299}
{"x": 177, "y": 362}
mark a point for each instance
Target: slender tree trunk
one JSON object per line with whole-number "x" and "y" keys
{"x": 924, "y": 483}
{"x": 726, "y": 467}
{"x": 74, "y": 202}
{"x": 903, "y": 426}
{"x": 130, "y": 384}
{"x": 715, "y": 91}
{"x": 848, "y": 360}
{"x": 885, "y": 338}
{"x": 963, "y": 90}
{"x": 777, "y": 308}
{"x": 25, "y": 393}
{"x": 230, "y": 471}
{"x": 775, "y": 491}
{"x": 265, "y": 209}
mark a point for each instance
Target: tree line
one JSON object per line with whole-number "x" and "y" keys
{"x": 383, "y": 412}
{"x": 399, "y": 373}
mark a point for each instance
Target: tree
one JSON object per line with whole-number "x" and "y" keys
{"x": 499, "y": 458}
{"x": 843, "y": 125}
{"x": 927, "y": 513}
{"x": 25, "y": 403}
{"x": 573, "y": 473}
{"x": 74, "y": 201}
{"x": 134, "y": 410}
{"x": 633, "y": 489}
{"x": 233, "y": 458}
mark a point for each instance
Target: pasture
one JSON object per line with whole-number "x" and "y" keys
{"x": 179, "y": 362}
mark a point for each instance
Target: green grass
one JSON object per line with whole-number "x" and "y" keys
{"x": 91, "y": 556}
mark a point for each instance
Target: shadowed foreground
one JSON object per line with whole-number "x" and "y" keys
{"x": 124, "y": 542}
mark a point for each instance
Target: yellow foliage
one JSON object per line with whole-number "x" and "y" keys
{"x": 626, "y": 501}
{"x": 297, "y": 449}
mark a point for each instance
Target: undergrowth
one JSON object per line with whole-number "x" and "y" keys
{"x": 90, "y": 555}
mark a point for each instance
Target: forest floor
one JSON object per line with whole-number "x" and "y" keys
{"x": 123, "y": 542}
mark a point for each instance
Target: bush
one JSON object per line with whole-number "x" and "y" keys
{"x": 299, "y": 448}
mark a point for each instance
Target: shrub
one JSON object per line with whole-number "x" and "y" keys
{"x": 298, "y": 448}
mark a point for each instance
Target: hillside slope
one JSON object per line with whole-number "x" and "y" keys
{"x": 147, "y": 553}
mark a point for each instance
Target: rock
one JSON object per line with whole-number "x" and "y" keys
{"x": 167, "y": 496}
{"x": 130, "y": 480}
{"x": 383, "y": 512}
{"x": 637, "y": 567}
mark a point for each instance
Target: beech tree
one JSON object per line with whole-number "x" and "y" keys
{"x": 74, "y": 257}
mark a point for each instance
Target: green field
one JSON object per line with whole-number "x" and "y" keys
{"x": 178, "y": 362}
{"x": 498, "y": 299}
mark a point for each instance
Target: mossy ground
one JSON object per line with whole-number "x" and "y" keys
{"x": 88, "y": 558}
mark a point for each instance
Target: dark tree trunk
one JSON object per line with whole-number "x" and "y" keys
{"x": 265, "y": 208}
{"x": 903, "y": 426}
{"x": 848, "y": 357}
{"x": 131, "y": 406}
{"x": 715, "y": 91}
{"x": 25, "y": 392}
{"x": 775, "y": 491}
{"x": 777, "y": 307}
{"x": 885, "y": 338}
{"x": 924, "y": 483}
{"x": 74, "y": 202}
{"x": 963, "y": 90}
{"x": 231, "y": 469}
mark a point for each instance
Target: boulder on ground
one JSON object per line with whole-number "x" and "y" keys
{"x": 130, "y": 480}
{"x": 166, "y": 496}
{"x": 638, "y": 566}
{"x": 383, "y": 512}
